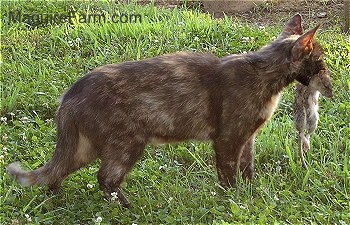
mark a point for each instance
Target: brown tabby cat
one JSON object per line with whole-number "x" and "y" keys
{"x": 115, "y": 110}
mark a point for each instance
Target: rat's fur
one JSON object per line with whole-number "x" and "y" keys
{"x": 306, "y": 109}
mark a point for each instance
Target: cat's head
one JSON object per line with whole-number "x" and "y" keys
{"x": 306, "y": 55}
{"x": 322, "y": 82}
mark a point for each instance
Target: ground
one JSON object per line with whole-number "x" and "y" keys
{"x": 326, "y": 12}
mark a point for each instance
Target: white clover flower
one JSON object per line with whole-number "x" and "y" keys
{"x": 196, "y": 38}
{"x": 25, "y": 119}
{"x": 278, "y": 169}
{"x": 48, "y": 120}
{"x": 242, "y": 207}
{"x": 78, "y": 40}
{"x": 70, "y": 43}
{"x": 89, "y": 186}
{"x": 29, "y": 219}
{"x": 98, "y": 220}
{"x": 162, "y": 167}
{"x": 23, "y": 135}
{"x": 4, "y": 137}
{"x": 3, "y": 119}
{"x": 114, "y": 196}
{"x": 247, "y": 39}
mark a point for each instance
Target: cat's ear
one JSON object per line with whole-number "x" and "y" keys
{"x": 293, "y": 27}
{"x": 304, "y": 44}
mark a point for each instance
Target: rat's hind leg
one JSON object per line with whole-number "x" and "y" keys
{"x": 306, "y": 143}
{"x": 117, "y": 159}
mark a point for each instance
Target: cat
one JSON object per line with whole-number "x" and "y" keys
{"x": 306, "y": 107}
{"x": 115, "y": 110}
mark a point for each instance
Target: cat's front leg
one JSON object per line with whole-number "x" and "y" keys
{"x": 247, "y": 159}
{"x": 227, "y": 154}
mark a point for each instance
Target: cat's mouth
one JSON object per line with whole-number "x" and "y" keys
{"x": 305, "y": 80}
{"x": 320, "y": 81}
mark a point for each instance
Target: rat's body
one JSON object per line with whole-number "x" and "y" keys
{"x": 306, "y": 109}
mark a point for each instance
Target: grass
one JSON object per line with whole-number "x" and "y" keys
{"x": 171, "y": 184}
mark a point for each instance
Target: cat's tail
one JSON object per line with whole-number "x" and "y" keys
{"x": 22, "y": 176}
{"x": 45, "y": 175}
{"x": 49, "y": 174}
{"x": 63, "y": 162}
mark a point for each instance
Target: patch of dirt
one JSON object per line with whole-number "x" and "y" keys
{"x": 329, "y": 13}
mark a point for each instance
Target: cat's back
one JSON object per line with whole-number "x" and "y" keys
{"x": 175, "y": 95}
{"x": 181, "y": 73}
{"x": 178, "y": 64}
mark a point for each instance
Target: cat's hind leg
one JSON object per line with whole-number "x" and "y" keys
{"x": 117, "y": 159}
